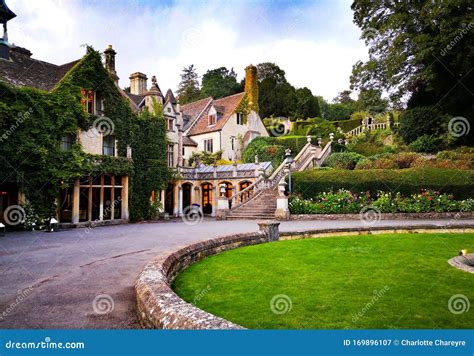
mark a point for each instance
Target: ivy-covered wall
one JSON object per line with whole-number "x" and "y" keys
{"x": 32, "y": 123}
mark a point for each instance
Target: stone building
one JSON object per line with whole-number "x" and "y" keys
{"x": 88, "y": 199}
{"x": 227, "y": 124}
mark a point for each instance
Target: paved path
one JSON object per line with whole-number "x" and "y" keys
{"x": 49, "y": 280}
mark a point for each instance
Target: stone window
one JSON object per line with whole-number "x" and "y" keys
{"x": 108, "y": 145}
{"x": 66, "y": 142}
{"x": 170, "y": 155}
{"x": 170, "y": 124}
{"x": 87, "y": 101}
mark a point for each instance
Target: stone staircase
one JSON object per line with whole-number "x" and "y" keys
{"x": 261, "y": 207}
{"x": 259, "y": 200}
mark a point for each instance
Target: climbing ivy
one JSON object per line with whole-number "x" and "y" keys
{"x": 32, "y": 123}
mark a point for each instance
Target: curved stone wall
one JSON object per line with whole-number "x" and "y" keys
{"x": 461, "y": 262}
{"x": 159, "y": 307}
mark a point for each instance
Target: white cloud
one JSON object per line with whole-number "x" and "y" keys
{"x": 315, "y": 43}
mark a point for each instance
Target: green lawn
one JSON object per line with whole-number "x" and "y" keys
{"x": 331, "y": 282}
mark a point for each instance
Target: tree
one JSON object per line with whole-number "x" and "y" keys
{"x": 344, "y": 97}
{"x": 323, "y": 106}
{"x": 188, "y": 90}
{"x": 271, "y": 70}
{"x": 371, "y": 100}
{"x": 219, "y": 83}
{"x": 307, "y": 104}
{"x": 276, "y": 99}
{"x": 339, "y": 111}
{"x": 420, "y": 48}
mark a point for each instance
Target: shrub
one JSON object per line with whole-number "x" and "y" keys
{"x": 347, "y": 125}
{"x": 344, "y": 201}
{"x": 343, "y": 160}
{"x": 427, "y": 143}
{"x": 406, "y": 181}
{"x": 405, "y": 159}
{"x": 420, "y": 121}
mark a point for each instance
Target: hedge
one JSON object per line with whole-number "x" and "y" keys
{"x": 347, "y": 125}
{"x": 406, "y": 181}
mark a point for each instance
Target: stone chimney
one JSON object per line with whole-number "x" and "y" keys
{"x": 251, "y": 86}
{"x": 138, "y": 83}
{"x": 110, "y": 63}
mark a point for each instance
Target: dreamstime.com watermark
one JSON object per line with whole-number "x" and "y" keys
{"x": 201, "y": 294}
{"x": 21, "y": 117}
{"x": 107, "y": 212}
{"x": 281, "y": 304}
{"x": 459, "y": 304}
{"x": 377, "y": 295}
{"x": 457, "y": 39}
{"x": 22, "y": 295}
{"x": 45, "y": 344}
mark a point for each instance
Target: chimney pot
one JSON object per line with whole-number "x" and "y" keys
{"x": 138, "y": 83}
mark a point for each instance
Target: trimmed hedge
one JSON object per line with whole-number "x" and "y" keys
{"x": 406, "y": 181}
{"x": 347, "y": 125}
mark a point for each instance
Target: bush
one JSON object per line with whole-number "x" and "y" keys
{"x": 389, "y": 161}
{"x": 371, "y": 143}
{"x": 343, "y": 160}
{"x": 266, "y": 149}
{"x": 347, "y": 125}
{"x": 344, "y": 202}
{"x": 420, "y": 121}
{"x": 406, "y": 181}
{"x": 427, "y": 143}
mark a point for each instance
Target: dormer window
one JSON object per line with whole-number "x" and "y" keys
{"x": 212, "y": 119}
{"x": 240, "y": 118}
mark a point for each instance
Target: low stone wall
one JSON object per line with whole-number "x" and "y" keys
{"x": 159, "y": 307}
{"x": 385, "y": 216}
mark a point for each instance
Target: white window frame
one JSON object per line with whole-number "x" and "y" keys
{"x": 206, "y": 145}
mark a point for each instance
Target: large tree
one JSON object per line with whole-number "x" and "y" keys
{"x": 188, "y": 89}
{"x": 420, "y": 48}
{"x": 271, "y": 70}
{"x": 307, "y": 104}
{"x": 344, "y": 97}
{"x": 371, "y": 100}
{"x": 219, "y": 82}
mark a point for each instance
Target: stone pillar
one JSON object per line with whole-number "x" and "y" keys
{"x": 75, "y": 202}
{"x": 214, "y": 200}
{"x": 180, "y": 201}
{"x": 176, "y": 200}
{"x": 197, "y": 198}
{"x": 271, "y": 229}
{"x": 125, "y": 213}
{"x": 282, "y": 211}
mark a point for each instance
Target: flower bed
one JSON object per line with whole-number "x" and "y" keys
{"x": 346, "y": 202}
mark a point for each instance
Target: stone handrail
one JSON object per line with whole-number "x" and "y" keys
{"x": 261, "y": 183}
{"x": 370, "y": 127}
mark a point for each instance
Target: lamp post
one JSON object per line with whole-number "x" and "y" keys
{"x": 289, "y": 161}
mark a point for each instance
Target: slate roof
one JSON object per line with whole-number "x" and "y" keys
{"x": 192, "y": 110}
{"x": 170, "y": 97}
{"x": 229, "y": 167}
{"x": 137, "y": 99}
{"x": 24, "y": 71}
{"x": 187, "y": 141}
{"x": 225, "y": 107}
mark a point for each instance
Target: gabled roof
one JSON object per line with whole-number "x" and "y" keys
{"x": 192, "y": 111}
{"x": 169, "y": 97}
{"x": 24, "y": 71}
{"x": 187, "y": 141}
{"x": 225, "y": 107}
{"x": 137, "y": 99}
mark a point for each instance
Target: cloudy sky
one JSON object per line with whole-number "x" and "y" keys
{"x": 315, "y": 42}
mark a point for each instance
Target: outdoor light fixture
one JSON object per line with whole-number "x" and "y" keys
{"x": 53, "y": 224}
{"x": 289, "y": 161}
{"x": 2, "y": 229}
